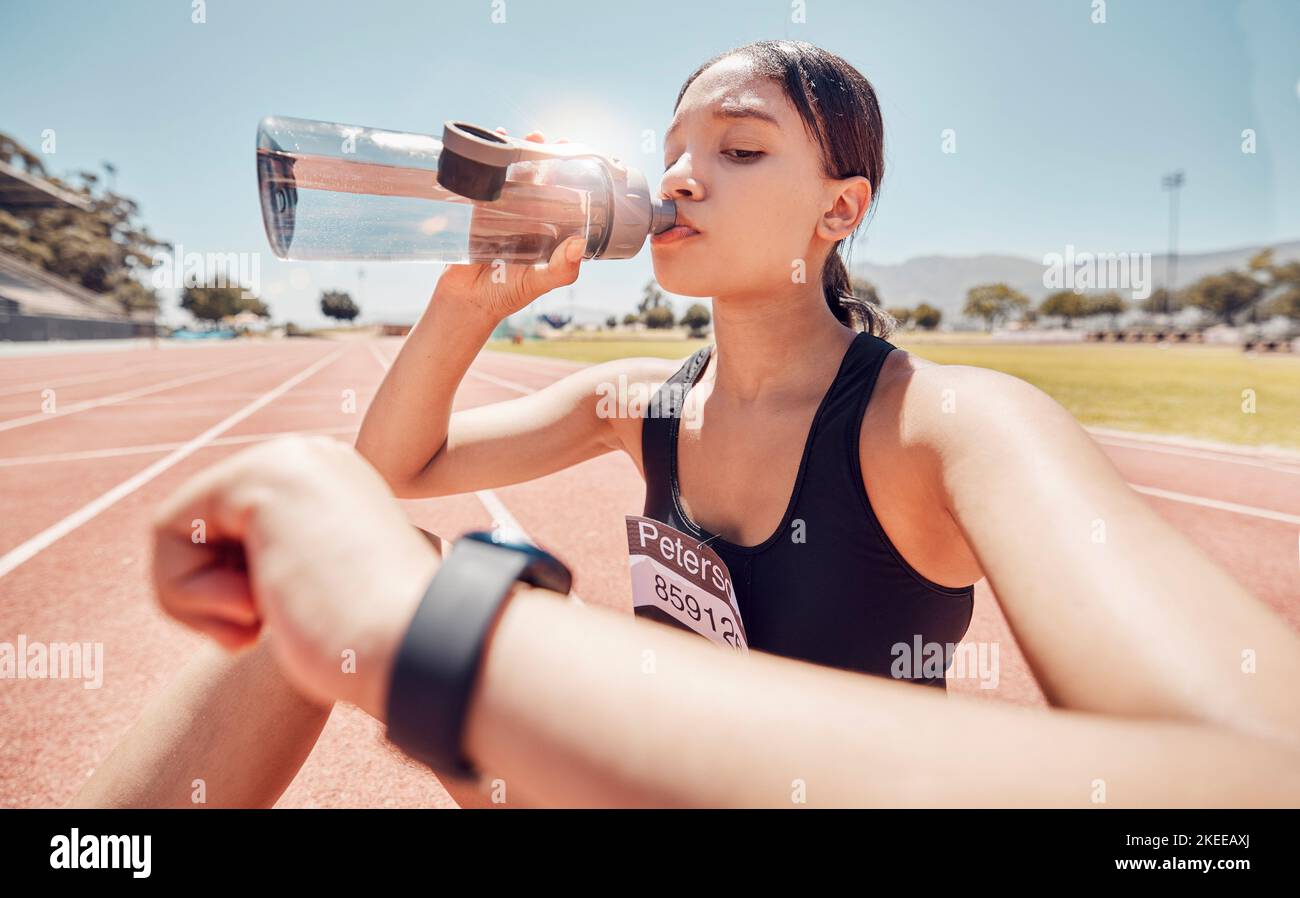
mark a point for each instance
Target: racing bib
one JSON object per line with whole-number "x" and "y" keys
{"x": 678, "y": 581}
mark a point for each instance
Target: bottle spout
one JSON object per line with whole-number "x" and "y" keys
{"x": 663, "y": 215}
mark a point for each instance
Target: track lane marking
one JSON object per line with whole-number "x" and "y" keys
{"x": 87, "y": 404}
{"x": 501, "y": 382}
{"x": 1203, "y": 454}
{"x": 52, "y": 534}
{"x": 154, "y": 448}
{"x": 1234, "y": 507}
{"x": 73, "y": 379}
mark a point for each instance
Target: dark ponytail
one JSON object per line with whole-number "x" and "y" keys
{"x": 839, "y": 109}
{"x": 852, "y": 310}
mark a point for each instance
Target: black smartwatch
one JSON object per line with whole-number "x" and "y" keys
{"x": 438, "y": 661}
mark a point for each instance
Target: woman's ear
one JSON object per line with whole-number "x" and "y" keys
{"x": 849, "y": 200}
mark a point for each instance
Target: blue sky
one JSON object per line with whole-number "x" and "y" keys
{"x": 1063, "y": 127}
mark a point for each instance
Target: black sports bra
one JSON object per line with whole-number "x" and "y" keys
{"x": 827, "y": 586}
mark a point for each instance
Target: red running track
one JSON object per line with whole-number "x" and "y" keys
{"x": 80, "y": 478}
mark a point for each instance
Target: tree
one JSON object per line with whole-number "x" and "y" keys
{"x": 11, "y": 151}
{"x": 1287, "y": 304}
{"x": 1111, "y": 304}
{"x": 1162, "y": 302}
{"x": 611, "y": 322}
{"x": 1065, "y": 304}
{"x": 210, "y": 304}
{"x": 1262, "y": 261}
{"x": 697, "y": 318}
{"x": 338, "y": 304}
{"x": 993, "y": 303}
{"x": 213, "y": 303}
{"x": 256, "y": 306}
{"x": 651, "y": 298}
{"x": 901, "y": 315}
{"x": 926, "y": 316}
{"x": 1225, "y": 295}
{"x": 1282, "y": 285}
{"x": 103, "y": 248}
{"x": 659, "y": 317}
{"x": 631, "y": 318}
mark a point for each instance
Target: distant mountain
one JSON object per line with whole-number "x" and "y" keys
{"x": 942, "y": 281}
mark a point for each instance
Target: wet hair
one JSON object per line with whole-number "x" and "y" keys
{"x": 839, "y": 109}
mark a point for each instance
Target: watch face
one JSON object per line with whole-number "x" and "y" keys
{"x": 544, "y": 569}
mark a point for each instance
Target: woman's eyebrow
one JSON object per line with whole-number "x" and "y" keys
{"x": 731, "y": 111}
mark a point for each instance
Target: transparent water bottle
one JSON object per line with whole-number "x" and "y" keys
{"x": 334, "y": 192}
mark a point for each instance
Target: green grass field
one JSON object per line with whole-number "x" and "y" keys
{"x": 1193, "y": 391}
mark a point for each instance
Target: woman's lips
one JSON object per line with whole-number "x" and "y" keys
{"x": 675, "y": 234}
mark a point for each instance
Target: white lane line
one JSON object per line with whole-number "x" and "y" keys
{"x": 1275, "y": 454}
{"x": 1268, "y": 452}
{"x": 491, "y": 502}
{"x": 535, "y": 361}
{"x": 1206, "y": 455}
{"x": 47, "y": 537}
{"x": 303, "y": 397}
{"x": 154, "y": 448}
{"x": 1234, "y": 507}
{"x": 129, "y": 394}
{"x": 501, "y": 517}
{"x": 379, "y": 356}
{"x": 501, "y": 382}
{"x": 92, "y": 348}
{"x": 70, "y": 380}
{"x": 497, "y": 381}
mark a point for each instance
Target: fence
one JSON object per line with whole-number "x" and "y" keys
{"x": 52, "y": 327}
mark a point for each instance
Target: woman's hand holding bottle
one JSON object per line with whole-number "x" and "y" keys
{"x": 498, "y": 288}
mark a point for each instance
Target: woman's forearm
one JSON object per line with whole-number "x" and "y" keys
{"x": 407, "y": 422}
{"x": 583, "y": 706}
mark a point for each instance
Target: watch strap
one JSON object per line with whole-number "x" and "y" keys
{"x": 437, "y": 663}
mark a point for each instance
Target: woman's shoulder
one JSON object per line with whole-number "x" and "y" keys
{"x": 935, "y": 404}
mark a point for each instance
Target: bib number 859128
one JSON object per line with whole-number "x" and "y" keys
{"x": 719, "y": 625}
